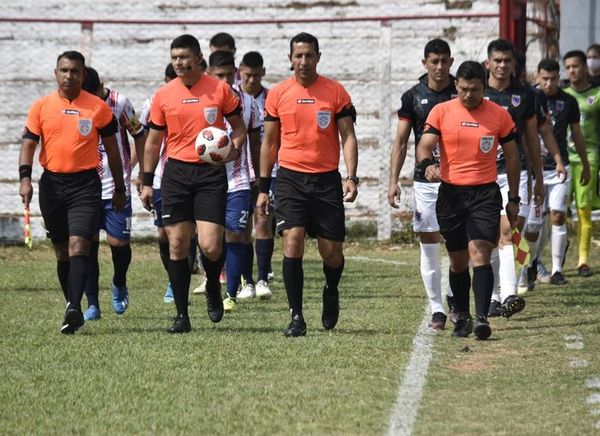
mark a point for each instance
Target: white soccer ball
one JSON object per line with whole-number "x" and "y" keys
{"x": 213, "y": 145}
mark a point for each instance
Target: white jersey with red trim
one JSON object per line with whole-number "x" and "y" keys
{"x": 240, "y": 172}
{"x": 162, "y": 159}
{"x": 128, "y": 122}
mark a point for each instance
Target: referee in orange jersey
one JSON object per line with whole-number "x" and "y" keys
{"x": 305, "y": 116}
{"x": 469, "y": 130}
{"x": 68, "y": 123}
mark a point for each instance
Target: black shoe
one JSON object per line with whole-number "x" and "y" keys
{"x": 464, "y": 325}
{"x": 214, "y": 301}
{"x": 584, "y": 271}
{"x": 296, "y": 328}
{"x": 73, "y": 321}
{"x": 558, "y": 279}
{"x": 438, "y": 321}
{"x": 331, "y": 308}
{"x": 452, "y": 309}
{"x": 495, "y": 309}
{"x": 532, "y": 272}
{"x": 181, "y": 325}
{"x": 513, "y": 304}
{"x": 481, "y": 327}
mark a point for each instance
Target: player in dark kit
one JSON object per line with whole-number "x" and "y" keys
{"x": 434, "y": 87}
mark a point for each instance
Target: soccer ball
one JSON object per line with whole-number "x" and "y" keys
{"x": 213, "y": 145}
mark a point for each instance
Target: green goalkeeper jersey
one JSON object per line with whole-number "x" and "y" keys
{"x": 589, "y": 108}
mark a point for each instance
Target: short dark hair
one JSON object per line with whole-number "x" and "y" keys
{"x": 306, "y": 38}
{"x": 595, "y": 47}
{"x": 252, "y": 59}
{"x": 170, "y": 72}
{"x": 436, "y": 46}
{"x": 91, "y": 83}
{"x": 576, "y": 54}
{"x": 223, "y": 39}
{"x": 221, "y": 58}
{"x": 548, "y": 65}
{"x": 186, "y": 41}
{"x": 501, "y": 45}
{"x": 72, "y": 55}
{"x": 470, "y": 70}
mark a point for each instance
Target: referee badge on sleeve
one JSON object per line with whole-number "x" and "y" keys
{"x": 486, "y": 143}
{"x": 323, "y": 119}
{"x": 85, "y": 126}
{"x": 210, "y": 114}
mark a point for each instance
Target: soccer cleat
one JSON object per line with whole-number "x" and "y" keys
{"x": 438, "y": 321}
{"x": 247, "y": 292}
{"x": 584, "y": 271}
{"x": 464, "y": 325}
{"x": 201, "y": 288}
{"x": 229, "y": 304}
{"x": 495, "y": 309}
{"x": 214, "y": 301}
{"x": 558, "y": 279}
{"x": 180, "y": 325}
{"x": 296, "y": 328}
{"x": 452, "y": 309}
{"x": 168, "y": 298}
{"x": 120, "y": 299}
{"x": 543, "y": 275}
{"x": 331, "y": 308}
{"x": 92, "y": 313}
{"x": 481, "y": 327}
{"x": 512, "y": 304}
{"x": 263, "y": 291}
{"x": 73, "y": 321}
{"x": 270, "y": 276}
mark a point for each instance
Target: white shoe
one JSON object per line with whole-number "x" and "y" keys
{"x": 201, "y": 289}
{"x": 246, "y": 292}
{"x": 271, "y": 276}
{"x": 262, "y": 290}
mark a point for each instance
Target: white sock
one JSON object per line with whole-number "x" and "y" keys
{"x": 495, "y": 262}
{"x": 543, "y": 238}
{"x": 559, "y": 243}
{"x": 431, "y": 273}
{"x": 508, "y": 273}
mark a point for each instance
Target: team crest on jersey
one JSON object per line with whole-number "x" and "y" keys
{"x": 486, "y": 143}
{"x": 560, "y": 105}
{"x": 590, "y": 100}
{"x": 424, "y": 101}
{"x": 515, "y": 100}
{"x": 323, "y": 119}
{"x": 85, "y": 126}
{"x": 210, "y": 114}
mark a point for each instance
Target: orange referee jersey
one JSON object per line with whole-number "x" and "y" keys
{"x": 68, "y": 130}
{"x": 186, "y": 111}
{"x": 307, "y": 118}
{"x": 469, "y": 140}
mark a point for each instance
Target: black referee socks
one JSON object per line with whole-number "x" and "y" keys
{"x": 333, "y": 275}
{"x": 121, "y": 257}
{"x": 293, "y": 279}
{"x": 460, "y": 283}
{"x": 483, "y": 285}
{"x": 179, "y": 276}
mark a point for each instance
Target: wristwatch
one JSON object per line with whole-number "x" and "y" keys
{"x": 355, "y": 179}
{"x": 515, "y": 199}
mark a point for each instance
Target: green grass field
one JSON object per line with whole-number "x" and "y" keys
{"x": 125, "y": 375}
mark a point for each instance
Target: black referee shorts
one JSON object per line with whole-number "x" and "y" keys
{"x": 312, "y": 201}
{"x": 193, "y": 192}
{"x": 71, "y": 204}
{"x": 466, "y": 213}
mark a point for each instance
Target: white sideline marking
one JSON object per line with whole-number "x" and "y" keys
{"x": 593, "y": 383}
{"x": 370, "y": 259}
{"x": 593, "y": 399}
{"x": 579, "y": 363}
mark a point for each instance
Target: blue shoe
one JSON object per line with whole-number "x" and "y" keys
{"x": 168, "y": 298}
{"x": 92, "y": 313}
{"x": 120, "y": 299}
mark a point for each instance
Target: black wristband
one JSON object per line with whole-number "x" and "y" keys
{"x": 515, "y": 199}
{"x": 264, "y": 184}
{"x": 148, "y": 179}
{"x": 24, "y": 171}
{"x": 425, "y": 163}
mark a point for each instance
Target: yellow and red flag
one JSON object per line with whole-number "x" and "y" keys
{"x": 520, "y": 248}
{"x": 28, "y": 240}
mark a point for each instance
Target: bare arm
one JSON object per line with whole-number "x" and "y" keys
{"x": 350, "y": 149}
{"x": 397, "y": 158}
{"x": 533, "y": 150}
{"x": 116, "y": 168}
{"x": 268, "y": 154}
{"x": 238, "y": 136}
{"x": 425, "y": 151}
{"x": 511, "y": 155}
{"x": 579, "y": 142}
{"x": 26, "y": 158}
{"x": 138, "y": 157}
{"x": 552, "y": 146}
{"x": 254, "y": 140}
{"x": 151, "y": 156}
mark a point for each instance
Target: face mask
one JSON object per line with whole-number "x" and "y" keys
{"x": 593, "y": 64}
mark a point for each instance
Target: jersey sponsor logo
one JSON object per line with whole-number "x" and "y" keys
{"x": 70, "y": 112}
{"x": 85, "y": 126}
{"x": 515, "y": 100}
{"x": 190, "y": 100}
{"x": 560, "y": 105}
{"x": 210, "y": 114}
{"x": 305, "y": 101}
{"x": 323, "y": 119}
{"x": 424, "y": 101}
{"x": 590, "y": 100}
{"x": 469, "y": 124}
{"x": 486, "y": 143}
